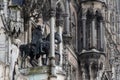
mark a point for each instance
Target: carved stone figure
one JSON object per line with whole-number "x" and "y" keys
{"x": 14, "y": 56}
{"x": 90, "y": 15}
{"x": 98, "y": 16}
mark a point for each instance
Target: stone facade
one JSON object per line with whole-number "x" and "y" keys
{"x": 59, "y": 40}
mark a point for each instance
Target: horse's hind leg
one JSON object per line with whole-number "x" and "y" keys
{"x": 23, "y": 57}
{"x": 31, "y": 62}
{"x": 44, "y": 60}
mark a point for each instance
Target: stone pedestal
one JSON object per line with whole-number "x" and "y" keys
{"x": 91, "y": 62}
{"x": 42, "y": 73}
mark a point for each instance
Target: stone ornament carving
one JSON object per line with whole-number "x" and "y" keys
{"x": 90, "y": 15}
{"x": 84, "y": 11}
{"x": 59, "y": 15}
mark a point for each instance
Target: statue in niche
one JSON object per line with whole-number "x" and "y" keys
{"x": 44, "y": 47}
{"x": 39, "y": 46}
{"x": 90, "y": 15}
{"x": 14, "y": 57}
{"x": 98, "y": 16}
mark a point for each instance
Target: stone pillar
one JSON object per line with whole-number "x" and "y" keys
{"x": 53, "y": 75}
{"x": 90, "y": 71}
{"x": 84, "y": 31}
{"x": 5, "y": 8}
{"x": 29, "y": 32}
{"x": 9, "y": 49}
{"x": 6, "y": 18}
{"x": 101, "y": 35}
{"x": 60, "y": 45}
{"x": 67, "y": 16}
{"x": 83, "y": 72}
{"x": 93, "y": 37}
{"x": 25, "y": 37}
{"x": 59, "y": 24}
{"x": 52, "y": 48}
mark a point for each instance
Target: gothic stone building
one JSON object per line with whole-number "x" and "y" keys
{"x": 59, "y": 40}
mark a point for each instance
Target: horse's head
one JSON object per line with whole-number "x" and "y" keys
{"x": 57, "y": 38}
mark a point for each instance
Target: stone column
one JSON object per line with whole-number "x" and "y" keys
{"x": 90, "y": 71}
{"x": 25, "y": 37}
{"x": 59, "y": 24}
{"x": 101, "y": 35}
{"x": 84, "y": 31}
{"x": 52, "y": 49}
{"x": 53, "y": 75}
{"x": 9, "y": 49}
{"x": 60, "y": 45}
{"x": 5, "y": 8}
{"x": 67, "y": 16}
{"x": 83, "y": 72}
{"x": 5, "y": 2}
{"x": 29, "y": 32}
{"x": 93, "y": 37}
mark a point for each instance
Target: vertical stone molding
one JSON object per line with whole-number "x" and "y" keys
{"x": 52, "y": 12}
{"x": 84, "y": 27}
{"x": 67, "y": 16}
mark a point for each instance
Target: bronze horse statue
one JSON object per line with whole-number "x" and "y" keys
{"x": 38, "y": 47}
